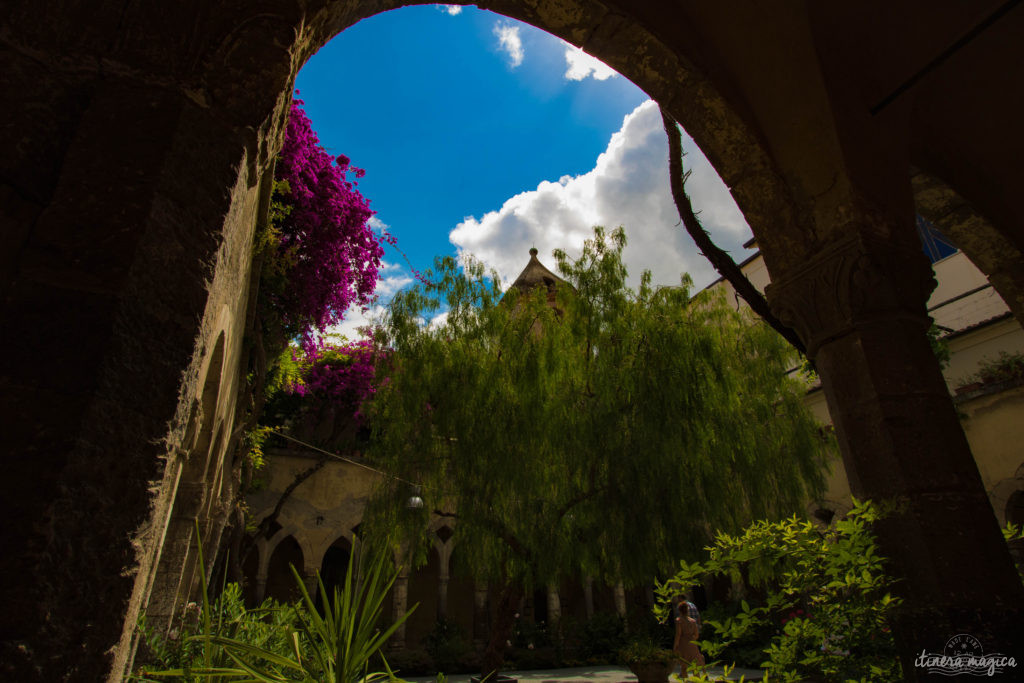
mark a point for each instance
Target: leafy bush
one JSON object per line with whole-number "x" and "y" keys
{"x": 939, "y": 344}
{"x": 1014, "y": 536}
{"x": 745, "y": 649}
{"x": 266, "y": 626}
{"x": 1007, "y": 366}
{"x": 290, "y": 643}
{"x": 643, "y": 624}
{"x": 642, "y": 649}
{"x": 447, "y": 645}
{"x": 827, "y": 598}
{"x": 530, "y": 634}
{"x": 342, "y": 372}
{"x": 603, "y": 635}
{"x": 321, "y": 399}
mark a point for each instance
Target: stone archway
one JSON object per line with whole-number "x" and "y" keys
{"x": 333, "y": 566}
{"x": 137, "y": 151}
{"x": 993, "y": 254}
{"x": 280, "y": 582}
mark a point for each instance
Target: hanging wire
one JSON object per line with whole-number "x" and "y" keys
{"x": 344, "y": 459}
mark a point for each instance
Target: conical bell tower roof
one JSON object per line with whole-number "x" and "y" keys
{"x": 535, "y": 274}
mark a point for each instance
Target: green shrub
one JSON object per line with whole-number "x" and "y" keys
{"x": 530, "y": 634}
{"x": 447, "y": 645}
{"x": 265, "y": 626}
{"x": 745, "y": 649}
{"x": 295, "y": 643}
{"x": 643, "y": 624}
{"x": 827, "y": 598}
{"x": 603, "y": 635}
{"x": 642, "y": 649}
{"x": 1006, "y": 367}
{"x": 1013, "y": 534}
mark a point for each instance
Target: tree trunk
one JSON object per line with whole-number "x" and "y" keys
{"x": 501, "y": 628}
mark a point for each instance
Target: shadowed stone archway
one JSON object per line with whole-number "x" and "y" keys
{"x": 138, "y": 143}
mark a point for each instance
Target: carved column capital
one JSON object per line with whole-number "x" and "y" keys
{"x": 853, "y": 281}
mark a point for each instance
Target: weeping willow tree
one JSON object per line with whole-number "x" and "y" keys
{"x": 586, "y": 428}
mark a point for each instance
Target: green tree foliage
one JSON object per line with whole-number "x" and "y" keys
{"x": 827, "y": 600}
{"x": 605, "y": 434}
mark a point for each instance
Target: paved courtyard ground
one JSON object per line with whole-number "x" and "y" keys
{"x": 594, "y": 674}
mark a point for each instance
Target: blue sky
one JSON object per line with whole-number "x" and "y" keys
{"x": 483, "y": 135}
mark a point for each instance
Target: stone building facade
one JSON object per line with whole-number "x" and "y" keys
{"x": 977, "y": 327}
{"x": 137, "y": 148}
{"x": 326, "y": 511}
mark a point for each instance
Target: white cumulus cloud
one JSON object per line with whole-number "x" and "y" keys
{"x": 452, "y": 10}
{"x": 509, "y": 42}
{"x": 628, "y": 186}
{"x": 579, "y": 65}
{"x": 356, "y": 320}
{"x": 391, "y": 279}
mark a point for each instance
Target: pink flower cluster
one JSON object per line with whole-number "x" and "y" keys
{"x": 342, "y": 373}
{"x": 334, "y": 253}
{"x": 798, "y": 613}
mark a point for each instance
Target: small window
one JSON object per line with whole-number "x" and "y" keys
{"x": 936, "y": 245}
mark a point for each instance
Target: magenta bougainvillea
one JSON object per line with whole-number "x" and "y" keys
{"x": 343, "y": 373}
{"x": 333, "y": 254}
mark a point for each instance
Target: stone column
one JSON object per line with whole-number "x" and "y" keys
{"x": 859, "y": 306}
{"x": 442, "y": 594}
{"x": 444, "y": 562}
{"x": 588, "y": 596}
{"x": 310, "y": 582}
{"x": 619, "y": 593}
{"x": 481, "y": 614}
{"x": 399, "y": 604}
{"x": 262, "y": 568}
{"x": 554, "y": 605}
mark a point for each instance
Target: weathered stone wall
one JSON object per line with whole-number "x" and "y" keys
{"x": 128, "y": 216}
{"x": 993, "y": 426}
{"x": 323, "y": 508}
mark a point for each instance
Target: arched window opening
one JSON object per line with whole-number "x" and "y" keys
{"x": 334, "y": 568}
{"x": 281, "y": 583}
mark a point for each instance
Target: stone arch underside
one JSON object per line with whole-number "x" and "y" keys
{"x": 278, "y": 580}
{"x": 993, "y": 254}
{"x": 175, "y": 119}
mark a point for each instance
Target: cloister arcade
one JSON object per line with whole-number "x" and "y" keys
{"x": 137, "y": 145}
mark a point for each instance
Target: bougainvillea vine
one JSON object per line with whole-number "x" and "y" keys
{"x": 344, "y": 373}
{"x": 332, "y": 253}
